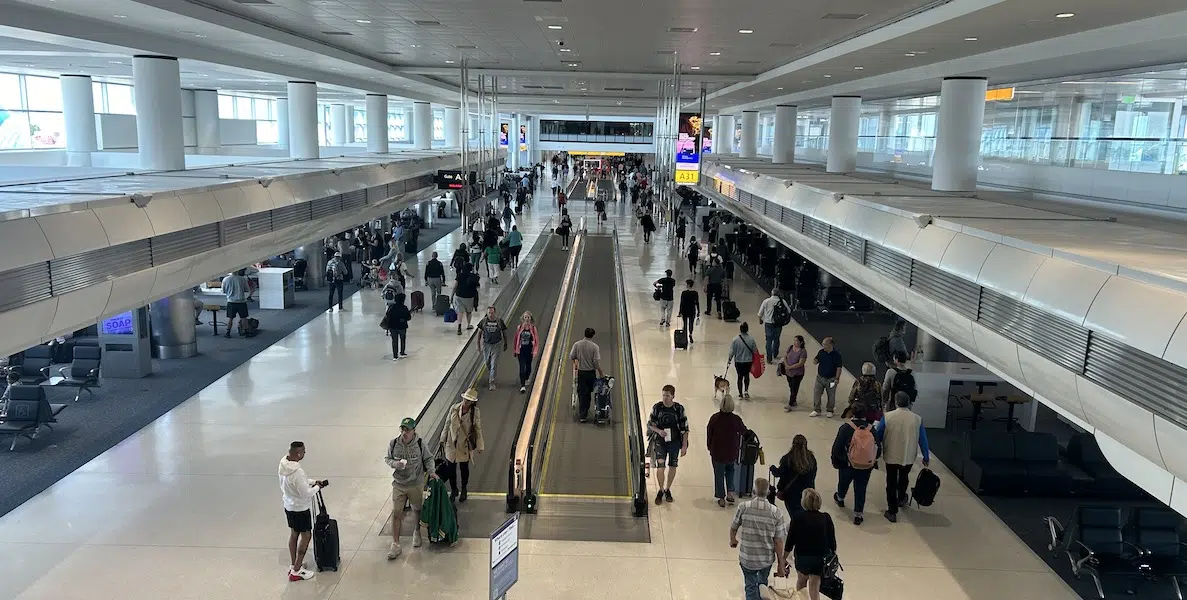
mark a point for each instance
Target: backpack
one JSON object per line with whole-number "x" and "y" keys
{"x": 332, "y": 272}
{"x": 863, "y": 450}
{"x": 868, "y": 394}
{"x": 903, "y": 381}
{"x": 781, "y": 315}
{"x": 751, "y": 448}
{"x": 882, "y": 350}
{"x": 249, "y": 327}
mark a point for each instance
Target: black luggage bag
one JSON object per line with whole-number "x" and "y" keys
{"x": 325, "y": 539}
{"x": 729, "y": 310}
{"x": 680, "y": 339}
{"x": 440, "y": 305}
{"x": 927, "y": 485}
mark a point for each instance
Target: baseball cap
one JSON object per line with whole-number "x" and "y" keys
{"x": 408, "y": 423}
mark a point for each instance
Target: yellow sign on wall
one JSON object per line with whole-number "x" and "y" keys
{"x": 999, "y": 94}
{"x": 688, "y": 177}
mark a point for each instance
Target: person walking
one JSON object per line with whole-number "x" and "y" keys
{"x": 237, "y": 289}
{"x": 298, "y": 492}
{"x": 854, "y": 453}
{"x": 494, "y": 258}
{"x": 773, "y": 314}
{"x": 897, "y": 341}
{"x": 336, "y": 279}
{"x": 665, "y": 286}
{"x": 828, "y": 374}
{"x": 796, "y": 472}
{"x": 396, "y": 318}
{"x": 694, "y": 253}
{"x": 587, "y": 368}
{"x": 867, "y": 391}
{"x": 898, "y": 379}
{"x": 681, "y": 231}
{"x": 742, "y": 351}
{"x": 527, "y": 344}
{"x": 723, "y": 435}
{"x": 492, "y": 340}
{"x": 668, "y": 424}
{"x": 714, "y": 287}
{"x": 758, "y": 532}
{"x": 514, "y": 245}
{"x": 564, "y": 229}
{"x": 793, "y": 366}
{"x": 508, "y": 214}
{"x": 690, "y": 308}
{"x": 463, "y": 441}
{"x": 903, "y": 438}
{"x": 813, "y": 538}
{"x": 648, "y": 224}
{"x": 410, "y": 462}
{"x": 465, "y": 296}
{"x": 461, "y": 257}
{"x": 434, "y": 277}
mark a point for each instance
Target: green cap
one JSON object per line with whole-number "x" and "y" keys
{"x": 408, "y": 423}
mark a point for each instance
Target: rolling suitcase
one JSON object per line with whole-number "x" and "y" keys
{"x": 744, "y": 480}
{"x": 680, "y": 339}
{"x": 927, "y": 484}
{"x": 729, "y": 310}
{"x": 418, "y": 301}
{"x": 325, "y": 539}
{"x": 440, "y": 305}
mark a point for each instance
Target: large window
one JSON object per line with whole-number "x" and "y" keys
{"x": 30, "y": 112}
{"x": 439, "y": 126}
{"x": 396, "y": 129}
{"x": 597, "y": 131}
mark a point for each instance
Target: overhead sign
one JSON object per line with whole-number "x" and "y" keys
{"x": 687, "y": 177}
{"x": 452, "y": 179}
{"x": 504, "y": 557}
{"x": 504, "y": 129}
{"x": 999, "y": 94}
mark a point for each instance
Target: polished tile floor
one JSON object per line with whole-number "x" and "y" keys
{"x": 189, "y": 506}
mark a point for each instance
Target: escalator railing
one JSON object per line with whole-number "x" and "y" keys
{"x": 632, "y": 417}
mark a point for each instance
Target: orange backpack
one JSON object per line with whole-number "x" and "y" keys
{"x": 863, "y": 450}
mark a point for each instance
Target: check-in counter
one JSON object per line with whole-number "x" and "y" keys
{"x": 276, "y": 287}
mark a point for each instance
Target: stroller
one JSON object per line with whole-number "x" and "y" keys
{"x": 601, "y": 399}
{"x": 371, "y": 277}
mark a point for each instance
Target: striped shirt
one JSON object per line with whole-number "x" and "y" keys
{"x": 758, "y": 523}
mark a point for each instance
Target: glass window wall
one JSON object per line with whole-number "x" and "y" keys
{"x": 622, "y": 132}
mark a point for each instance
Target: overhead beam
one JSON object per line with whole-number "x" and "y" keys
{"x": 453, "y": 72}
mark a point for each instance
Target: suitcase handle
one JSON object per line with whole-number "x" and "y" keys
{"x": 321, "y": 503}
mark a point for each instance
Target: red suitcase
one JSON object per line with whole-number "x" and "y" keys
{"x": 418, "y": 301}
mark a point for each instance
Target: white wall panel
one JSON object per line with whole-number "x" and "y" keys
{"x": 71, "y": 233}
{"x": 170, "y": 277}
{"x": 124, "y": 223}
{"x": 1176, "y": 350}
{"x": 901, "y": 236}
{"x": 280, "y": 193}
{"x": 923, "y": 307}
{"x": 1055, "y": 383}
{"x": 1172, "y": 439}
{"x": 237, "y": 132}
{"x": 22, "y": 243}
{"x": 1138, "y": 314}
{"x": 167, "y": 213}
{"x": 202, "y": 208}
{"x": 130, "y": 290}
{"x": 27, "y": 326}
{"x": 930, "y": 245}
{"x": 869, "y": 223}
{"x": 834, "y": 213}
{"x": 1065, "y": 289}
{"x": 231, "y": 203}
{"x": 955, "y": 327}
{"x": 804, "y": 199}
{"x": 966, "y": 255}
{"x": 1120, "y": 419}
{"x": 81, "y": 308}
{"x": 1000, "y": 352}
{"x": 1009, "y": 270}
{"x": 257, "y": 198}
{"x": 1134, "y": 466}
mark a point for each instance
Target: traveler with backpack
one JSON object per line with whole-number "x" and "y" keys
{"x": 564, "y": 229}
{"x": 723, "y": 435}
{"x": 795, "y": 472}
{"x": 410, "y": 462}
{"x": 336, "y": 279}
{"x": 774, "y": 314}
{"x": 434, "y": 276}
{"x": 813, "y": 538}
{"x": 793, "y": 368}
{"x": 668, "y": 425}
{"x": 828, "y": 374}
{"x": 527, "y": 344}
{"x": 465, "y": 296}
{"x": 648, "y": 225}
{"x": 694, "y": 253}
{"x": 664, "y": 292}
{"x": 903, "y": 437}
{"x": 492, "y": 334}
{"x": 867, "y": 391}
{"x": 461, "y": 257}
{"x": 742, "y": 351}
{"x": 898, "y": 379}
{"x": 854, "y": 455}
{"x": 463, "y": 440}
{"x": 395, "y": 321}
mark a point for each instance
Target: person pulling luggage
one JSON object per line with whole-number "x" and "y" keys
{"x": 410, "y": 462}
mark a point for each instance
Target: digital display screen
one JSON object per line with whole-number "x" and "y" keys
{"x": 687, "y": 142}
{"x": 504, "y": 129}
{"x": 523, "y": 137}
{"x": 121, "y": 324}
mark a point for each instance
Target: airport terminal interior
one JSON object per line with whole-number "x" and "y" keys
{"x": 501, "y": 299}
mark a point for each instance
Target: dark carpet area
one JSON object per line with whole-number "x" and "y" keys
{"x": 122, "y": 407}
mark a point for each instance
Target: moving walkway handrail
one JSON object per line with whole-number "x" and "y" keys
{"x": 632, "y": 417}
{"x": 521, "y": 466}
{"x": 460, "y": 375}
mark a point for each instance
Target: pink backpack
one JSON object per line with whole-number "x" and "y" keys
{"x": 863, "y": 450}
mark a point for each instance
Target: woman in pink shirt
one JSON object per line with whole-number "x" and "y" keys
{"x": 793, "y": 368}
{"x": 527, "y": 344}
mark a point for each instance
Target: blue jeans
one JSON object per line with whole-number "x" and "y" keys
{"x": 860, "y": 478}
{"x": 772, "y": 332}
{"x": 752, "y": 578}
{"x": 723, "y": 479}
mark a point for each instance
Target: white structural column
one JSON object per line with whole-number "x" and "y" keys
{"x": 78, "y": 108}
{"x": 843, "y": 125}
{"x": 349, "y": 124}
{"x": 337, "y": 124}
{"x": 783, "y": 150}
{"x": 422, "y": 122}
{"x": 724, "y": 134}
{"x": 206, "y": 121}
{"x": 377, "y": 123}
{"x": 749, "y": 147}
{"x": 958, "y": 134}
{"x": 303, "y": 120}
{"x": 513, "y": 153}
{"x": 453, "y": 127}
{"x": 156, "y": 84}
{"x": 282, "y": 122}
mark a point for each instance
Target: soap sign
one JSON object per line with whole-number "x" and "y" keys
{"x": 120, "y": 324}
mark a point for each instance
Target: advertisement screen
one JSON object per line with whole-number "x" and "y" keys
{"x": 504, "y": 128}
{"x": 523, "y": 137}
{"x": 687, "y": 155}
{"x": 707, "y": 139}
{"x": 120, "y": 324}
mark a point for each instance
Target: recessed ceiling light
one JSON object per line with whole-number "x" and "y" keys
{"x": 448, "y": 62}
{"x": 362, "y": 21}
{"x": 1065, "y": 15}
{"x": 557, "y": 27}
{"x": 572, "y": 64}
{"x": 115, "y": 62}
{"x": 275, "y": 54}
{"x": 695, "y": 68}
{"x": 909, "y": 54}
{"x": 566, "y": 49}
{"x": 714, "y": 54}
{"x": 414, "y": 45}
{"x": 827, "y": 76}
{"x": 120, "y": 16}
{"x": 331, "y": 68}
{"x": 198, "y": 35}
{"x": 780, "y": 89}
{"x": 858, "y": 68}
{"x": 745, "y": 31}
{"x": 970, "y": 39}
{"x": 751, "y": 95}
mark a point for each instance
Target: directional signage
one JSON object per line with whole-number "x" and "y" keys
{"x": 504, "y": 557}
{"x": 452, "y": 179}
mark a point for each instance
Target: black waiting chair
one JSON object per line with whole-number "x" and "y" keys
{"x": 35, "y": 368}
{"x": 83, "y": 371}
{"x": 28, "y": 411}
{"x": 1156, "y": 532}
{"x": 1094, "y": 543}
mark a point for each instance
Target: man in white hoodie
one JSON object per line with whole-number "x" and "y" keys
{"x": 298, "y": 492}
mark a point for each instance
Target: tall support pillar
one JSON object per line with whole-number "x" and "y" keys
{"x": 78, "y": 108}
{"x": 337, "y": 124}
{"x": 453, "y": 127}
{"x": 422, "y": 125}
{"x": 349, "y": 124}
{"x": 725, "y": 134}
{"x": 206, "y": 121}
{"x": 783, "y": 150}
{"x": 513, "y": 143}
{"x": 377, "y": 123}
{"x": 749, "y": 147}
{"x": 174, "y": 327}
{"x": 958, "y": 134}
{"x": 315, "y": 263}
{"x": 156, "y": 84}
{"x": 282, "y": 122}
{"x": 843, "y": 126}
{"x": 303, "y": 120}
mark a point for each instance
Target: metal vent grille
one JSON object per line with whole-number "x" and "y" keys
{"x": 376, "y": 194}
{"x": 793, "y": 219}
{"x": 287, "y": 216}
{"x": 1056, "y": 339}
{"x": 76, "y": 272}
{"x": 417, "y": 183}
{"x": 395, "y": 189}
{"x": 888, "y": 263}
{"x": 25, "y": 285}
{"x": 1144, "y": 379}
{"x": 773, "y": 211}
{"x": 181, "y": 244}
{"x": 247, "y": 226}
{"x": 354, "y": 200}
{"x": 816, "y": 229}
{"x": 324, "y": 207}
{"x": 848, "y": 244}
{"x": 958, "y": 294}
